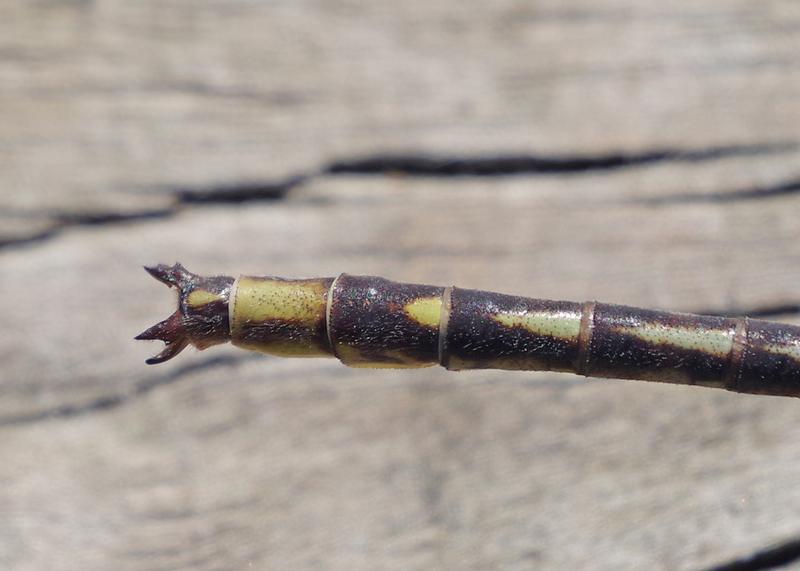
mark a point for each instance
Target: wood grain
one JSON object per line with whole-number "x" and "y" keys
{"x": 135, "y": 133}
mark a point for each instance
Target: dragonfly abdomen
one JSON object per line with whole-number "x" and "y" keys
{"x": 373, "y": 322}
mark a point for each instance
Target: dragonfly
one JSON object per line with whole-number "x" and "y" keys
{"x": 368, "y": 321}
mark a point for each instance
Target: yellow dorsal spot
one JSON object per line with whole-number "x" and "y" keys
{"x": 200, "y": 297}
{"x": 712, "y": 341}
{"x": 425, "y": 310}
{"x": 561, "y": 324}
{"x": 789, "y": 350}
{"x": 264, "y": 299}
{"x": 272, "y": 303}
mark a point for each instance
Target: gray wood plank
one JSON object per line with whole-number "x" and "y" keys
{"x": 304, "y": 463}
{"x": 99, "y": 99}
{"x": 659, "y": 152}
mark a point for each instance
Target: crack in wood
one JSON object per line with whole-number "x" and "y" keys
{"x": 770, "y": 558}
{"x": 421, "y": 165}
{"x": 62, "y": 221}
{"x": 755, "y": 193}
{"x": 109, "y": 402}
{"x": 430, "y": 166}
{"x": 243, "y": 192}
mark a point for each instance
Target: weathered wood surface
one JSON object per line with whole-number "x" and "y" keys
{"x": 117, "y": 117}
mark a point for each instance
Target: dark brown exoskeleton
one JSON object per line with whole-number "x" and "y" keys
{"x": 373, "y": 322}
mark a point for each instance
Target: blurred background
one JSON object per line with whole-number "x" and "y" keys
{"x": 627, "y": 151}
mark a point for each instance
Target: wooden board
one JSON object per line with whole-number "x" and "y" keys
{"x": 627, "y": 152}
